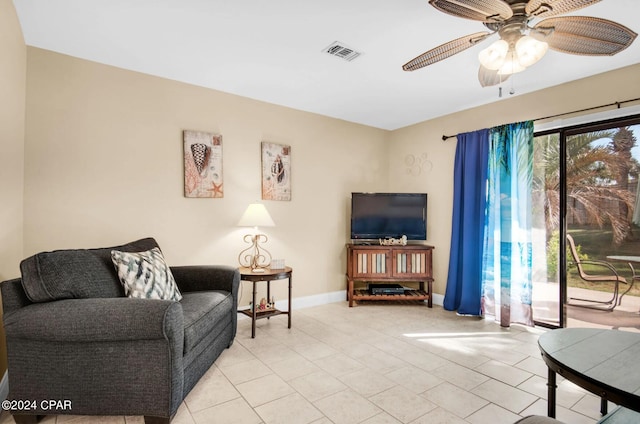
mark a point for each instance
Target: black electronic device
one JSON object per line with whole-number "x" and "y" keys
{"x": 386, "y": 289}
{"x": 388, "y": 215}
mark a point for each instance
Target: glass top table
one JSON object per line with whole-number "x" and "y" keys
{"x": 602, "y": 361}
{"x": 622, "y": 258}
{"x": 630, "y": 260}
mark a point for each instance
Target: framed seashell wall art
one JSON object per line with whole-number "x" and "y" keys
{"x": 202, "y": 164}
{"x": 276, "y": 171}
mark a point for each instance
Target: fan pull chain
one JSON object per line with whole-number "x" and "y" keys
{"x": 512, "y": 90}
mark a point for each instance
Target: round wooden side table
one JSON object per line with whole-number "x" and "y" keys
{"x": 268, "y": 275}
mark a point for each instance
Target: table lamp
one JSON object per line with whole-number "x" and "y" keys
{"x": 255, "y": 257}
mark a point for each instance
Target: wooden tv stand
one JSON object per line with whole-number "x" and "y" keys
{"x": 384, "y": 264}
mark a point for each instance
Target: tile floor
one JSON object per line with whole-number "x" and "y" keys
{"x": 374, "y": 364}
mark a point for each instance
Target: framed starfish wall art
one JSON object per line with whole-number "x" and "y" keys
{"x": 276, "y": 171}
{"x": 202, "y": 164}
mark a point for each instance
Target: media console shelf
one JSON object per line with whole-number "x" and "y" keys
{"x": 384, "y": 264}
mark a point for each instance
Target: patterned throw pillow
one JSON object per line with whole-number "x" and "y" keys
{"x": 145, "y": 275}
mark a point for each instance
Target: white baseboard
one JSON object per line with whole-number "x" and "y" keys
{"x": 323, "y": 299}
{"x": 4, "y": 386}
{"x": 317, "y": 300}
{"x": 438, "y": 299}
{"x": 307, "y": 301}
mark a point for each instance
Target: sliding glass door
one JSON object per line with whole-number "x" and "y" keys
{"x": 602, "y": 215}
{"x": 585, "y": 185}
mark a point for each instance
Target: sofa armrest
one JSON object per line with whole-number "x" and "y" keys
{"x": 97, "y": 320}
{"x": 207, "y": 277}
{"x": 13, "y": 296}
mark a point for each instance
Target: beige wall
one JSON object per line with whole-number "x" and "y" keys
{"x": 104, "y": 165}
{"x": 13, "y": 64}
{"x": 423, "y": 141}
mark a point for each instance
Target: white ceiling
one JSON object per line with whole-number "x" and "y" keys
{"x": 272, "y": 51}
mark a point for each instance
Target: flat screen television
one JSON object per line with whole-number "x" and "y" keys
{"x": 383, "y": 215}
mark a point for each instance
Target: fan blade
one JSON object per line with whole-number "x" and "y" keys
{"x": 445, "y": 50}
{"x": 584, "y": 35}
{"x": 488, "y": 77}
{"x": 477, "y": 10}
{"x": 544, "y": 8}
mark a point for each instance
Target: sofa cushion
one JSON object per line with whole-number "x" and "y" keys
{"x": 201, "y": 312}
{"x": 145, "y": 275}
{"x": 75, "y": 274}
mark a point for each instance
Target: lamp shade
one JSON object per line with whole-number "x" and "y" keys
{"x": 512, "y": 58}
{"x": 530, "y": 50}
{"x": 511, "y": 64}
{"x": 493, "y": 57}
{"x": 256, "y": 215}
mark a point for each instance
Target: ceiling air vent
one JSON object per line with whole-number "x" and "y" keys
{"x": 338, "y": 49}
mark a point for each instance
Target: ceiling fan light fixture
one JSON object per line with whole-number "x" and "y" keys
{"x": 521, "y": 45}
{"x": 494, "y": 56}
{"x": 512, "y": 58}
{"x": 511, "y": 64}
{"x": 530, "y": 50}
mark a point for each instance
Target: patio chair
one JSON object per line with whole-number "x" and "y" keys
{"x": 610, "y": 276}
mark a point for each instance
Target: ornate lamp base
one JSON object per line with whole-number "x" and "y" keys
{"x": 255, "y": 256}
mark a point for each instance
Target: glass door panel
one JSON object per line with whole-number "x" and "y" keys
{"x": 546, "y": 229}
{"x": 602, "y": 216}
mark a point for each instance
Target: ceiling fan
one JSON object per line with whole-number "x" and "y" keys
{"x": 521, "y": 45}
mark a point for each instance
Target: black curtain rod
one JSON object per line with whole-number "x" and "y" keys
{"x": 617, "y": 104}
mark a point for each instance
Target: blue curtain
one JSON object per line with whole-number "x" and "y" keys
{"x": 464, "y": 284}
{"x": 506, "y": 255}
{"x": 490, "y": 259}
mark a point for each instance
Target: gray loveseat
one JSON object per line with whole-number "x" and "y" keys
{"x": 73, "y": 336}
